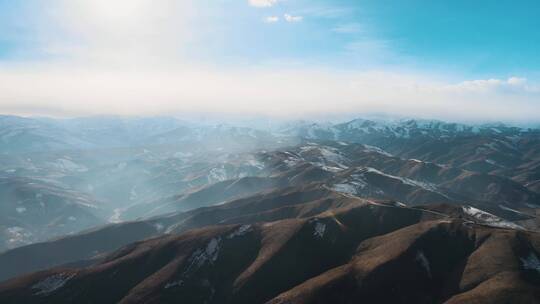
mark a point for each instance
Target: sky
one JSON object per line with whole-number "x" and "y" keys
{"x": 455, "y": 60}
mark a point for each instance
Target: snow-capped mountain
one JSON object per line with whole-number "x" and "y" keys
{"x": 362, "y": 129}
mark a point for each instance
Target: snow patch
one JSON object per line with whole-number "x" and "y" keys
{"x": 329, "y": 168}
{"x": 330, "y": 159}
{"x": 292, "y": 160}
{"x": 51, "y": 284}
{"x": 345, "y": 188}
{"x": 174, "y": 284}
{"x": 256, "y": 163}
{"x": 488, "y": 218}
{"x": 352, "y": 185}
{"x": 20, "y": 209}
{"x": 159, "y": 227}
{"x": 377, "y": 150}
{"x": 115, "y": 218}
{"x": 330, "y": 154}
{"x": 491, "y": 162}
{"x": 408, "y": 181}
{"x": 217, "y": 175}
{"x": 242, "y": 230}
{"x": 17, "y": 236}
{"x": 205, "y": 255}
{"x": 200, "y": 257}
{"x": 421, "y": 258}
{"x": 511, "y": 210}
{"x": 399, "y": 204}
{"x": 320, "y": 228}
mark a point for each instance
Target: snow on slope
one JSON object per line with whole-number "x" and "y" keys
{"x": 488, "y": 218}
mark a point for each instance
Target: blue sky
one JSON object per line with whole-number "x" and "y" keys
{"x": 435, "y": 55}
{"x": 473, "y": 38}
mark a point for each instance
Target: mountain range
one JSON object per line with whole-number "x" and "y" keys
{"x": 156, "y": 209}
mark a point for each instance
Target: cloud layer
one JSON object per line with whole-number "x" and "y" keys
{"x": 279, "y": 92}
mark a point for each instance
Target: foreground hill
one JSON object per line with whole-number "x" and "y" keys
{"x": 433, "y": 262}
{"x": 290, "y": 202}
{"x": 365, "y": 252}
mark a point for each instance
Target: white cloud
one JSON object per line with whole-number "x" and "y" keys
{"x": 291, "y": 18}
{"x": 262, "y": 3}
{"x": 510, "y": 85}
{"x": 271, "y": 19}
{"x": 517, "y": 81}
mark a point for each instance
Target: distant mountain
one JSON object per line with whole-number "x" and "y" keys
{"x": 368, "y": 171}
{"x": 493, "y": 148}
{"x": 35, "y": 210}
{"x": 19, "y": 134}
{"x": 363, "y": 129}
